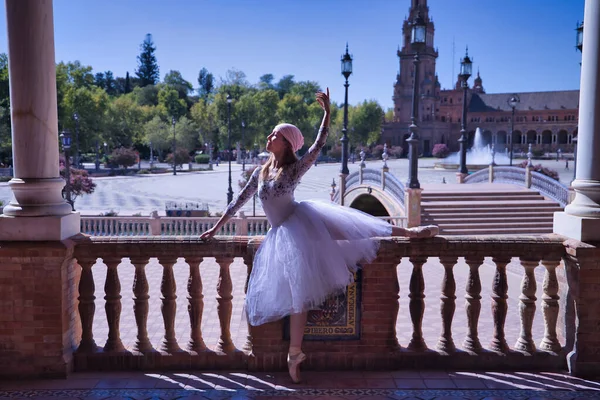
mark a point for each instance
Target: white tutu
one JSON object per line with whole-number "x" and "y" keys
{"x": 308, "y": 257}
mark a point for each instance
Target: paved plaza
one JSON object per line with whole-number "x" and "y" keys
{"x": 145, "y": 193}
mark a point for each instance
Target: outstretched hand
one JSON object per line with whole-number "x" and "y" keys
{"x": 208, "y": 234}
{"x": 323, "y": 100}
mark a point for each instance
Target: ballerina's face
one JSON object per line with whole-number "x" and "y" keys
{"x": 276, "y": 143}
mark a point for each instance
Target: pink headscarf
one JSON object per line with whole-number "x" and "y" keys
{"x": 292, "y": 134}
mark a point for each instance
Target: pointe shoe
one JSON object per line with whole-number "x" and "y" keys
{"x": 294, "y": 366}
{"x": 422, "y": 232}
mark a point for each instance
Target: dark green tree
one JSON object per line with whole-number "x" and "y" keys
{"x": 127, "y": 88}
{"x": 99, "y": 80}
{"x": 147, "y": 71}
{"x": 173, "y": 79}
{"x": 284, "y": 86}
{"x": 266, "y": 82}
{"x": 206, "y": 84}
{"x": 109, "y": 83}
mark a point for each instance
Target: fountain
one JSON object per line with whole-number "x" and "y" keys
{"x": 478, "y": 157}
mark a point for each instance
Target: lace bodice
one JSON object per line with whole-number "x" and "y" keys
{"x": 277, "y": 195}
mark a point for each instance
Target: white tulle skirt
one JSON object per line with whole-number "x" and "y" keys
{"x": 309, "y": 257}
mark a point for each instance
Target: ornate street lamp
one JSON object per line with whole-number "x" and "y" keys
{"x": 418, "y": 35}
{"x": 97, "y": 156}
{"x": 151, "y": 156}
{"x": 346, "y": 72}
{"x": 65, "y": 138}
{"x": 242, "y": 148}
{"x": 174, "y": 147}
{"x": 512, "y": 101}
{"x": 466, "y": 67}
{"x": 76, "y": 118}
{"x": 229, "y": 190}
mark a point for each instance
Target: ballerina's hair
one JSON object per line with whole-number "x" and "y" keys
{"x": 289, "y": 157}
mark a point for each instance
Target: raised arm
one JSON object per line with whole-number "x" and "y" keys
{"x": 313, "y": 152}
{"x": 243, "y": 196}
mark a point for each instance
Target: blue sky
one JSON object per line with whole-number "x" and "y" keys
{"x": 518, "y": 45}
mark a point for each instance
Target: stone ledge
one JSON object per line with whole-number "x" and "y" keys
{"x": 34, "y": 229}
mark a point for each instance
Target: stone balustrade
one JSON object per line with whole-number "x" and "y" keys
{"x": 378, "y": 346}
{"x": 184, "y": 226}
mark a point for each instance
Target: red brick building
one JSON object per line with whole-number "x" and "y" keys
{"x": 545, "y": 119}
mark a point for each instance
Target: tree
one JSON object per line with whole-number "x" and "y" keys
{"x": 204, "y": 117}
{"x": 293, "y": 110}
{"x": 169, "y": 101}
{"x": 307, "y": 90}
{"x": 99, "y": 80}
{"x": 182, "y": 156}
{"x": 157, "y": 133}
{"x": 235, "y": 77}
{"x": 365, "y": 123}
{"x": 266, "y": 82}
{"x": 91, "y": 105}
{"x": 147, "y": 71}
{"x": 125, "y": 121}
{"x": 80, "y": 182}
{"x": 174, "y": 80}
{"x": 284, "y": 86}
{"x": 186, "y": 133}
{"x": 127, "y": 88}
{"x": 147, "y": 95}
{"x": 206, "y": 84}
{"x": 109, "y": 83}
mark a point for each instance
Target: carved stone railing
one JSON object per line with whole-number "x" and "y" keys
{"x": 523, "y": 177}
{"x": 378, "y": 347}
{"x": 396, "y": 187}
{"x": 184, "y": 226}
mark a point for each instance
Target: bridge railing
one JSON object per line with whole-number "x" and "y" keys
{"x": 525, "y": 177}
{"x": 265, "y": 347}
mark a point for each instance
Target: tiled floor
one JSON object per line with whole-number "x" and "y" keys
{"x": 318, "y": 385}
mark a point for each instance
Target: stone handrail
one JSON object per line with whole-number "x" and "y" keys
{"x": 523, "y": 177}
{"x": 550, "y": 187}
{"x": 184, "y": 226}
{"x": 378, "y": 347}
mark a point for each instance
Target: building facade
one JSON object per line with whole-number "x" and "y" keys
{"x": 548, "y": 120}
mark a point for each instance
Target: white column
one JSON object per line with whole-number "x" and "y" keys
{"x": 38, "y": 211}
{"x": 581, "y": 219}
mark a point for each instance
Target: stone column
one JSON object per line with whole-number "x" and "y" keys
{"x": 38, "y": 211}
{"x": 581, "y": 218}
{"x": 412, "y": 199}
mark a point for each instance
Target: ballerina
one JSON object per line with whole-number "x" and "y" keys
{"x": 312, "y": 248}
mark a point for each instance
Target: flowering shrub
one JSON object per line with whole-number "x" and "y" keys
{"x": 440, "y": 150}
{"x": 124, "y": 156}
{"x": 377, "y": 151}
{"x": 542, "y": 170}
{"x": 79, "y": 183}
{"x": 335, "y": 152}
{"x": 395, "y": 151}
{"x": 182, "y": 156}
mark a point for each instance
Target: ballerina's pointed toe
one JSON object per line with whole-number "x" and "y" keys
{"x": 294, "y": 366}
{"x": 423, "y": 232}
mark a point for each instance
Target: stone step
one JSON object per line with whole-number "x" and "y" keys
{"x": 491, "y": 211}
{"x": 485, "y": 219}
{"x": 426, "y": 205}
{"x": 429, "y": 194}
{"x": 497, "y": 225}
{"x": 496, "y": 231}
{"x": 464, "y": 197}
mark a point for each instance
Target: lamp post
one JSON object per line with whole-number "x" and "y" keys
{"x": 419, "y": 30}
{"x": 578, "y": 46}
{"x": 76, "y": 118}
{"x": 229, "y": 190}
{"x": 242, "y": 149}
{"x": 466, "y": 66}
{"x": 106, "y": 152}
{"x": 65, "y": 138}
{"x": 512, "y": 101}
{"x": 346, "y": 72}
{"x": 97, "y": 156}
{"x": 151, "y": 156}
{"x": 174, "y": 147}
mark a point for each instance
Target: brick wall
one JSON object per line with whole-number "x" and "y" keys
{"x": 38, "y": 319}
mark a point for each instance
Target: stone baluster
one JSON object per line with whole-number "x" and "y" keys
{"x": 527, "y": 307}
{"x": 112, "y": 289}
{"x": 140, "y": 304}
{"x": 195, "y": 305}
{"x": 499, "y": 305}
{"x": 168, "y": 289}
{"x": 417, "y": 303}
{"x": 448, "y": 305}
{"x": 473, "y": 304}
{"x": 550, "y": 307}
{"x": 248, "y": 260}
{"x": 224, "y": 305}
{"x": 87, "y": 306}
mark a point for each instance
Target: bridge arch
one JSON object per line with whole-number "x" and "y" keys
{"x": 370, "y": 204}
